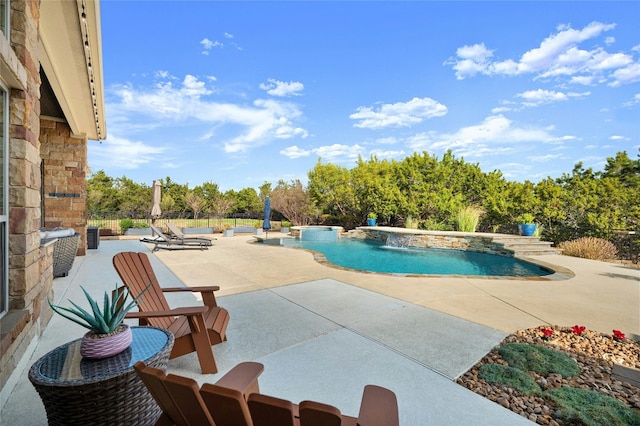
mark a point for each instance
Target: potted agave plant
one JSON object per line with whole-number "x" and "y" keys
{"x": 107, "y": 335}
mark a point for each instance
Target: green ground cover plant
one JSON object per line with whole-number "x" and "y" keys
{"x": 591, "y": 408}
{"x": 509, "y": 376}
{"x": 539, "y": 359}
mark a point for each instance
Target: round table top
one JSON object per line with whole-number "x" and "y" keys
{"x": 64, "y": 364}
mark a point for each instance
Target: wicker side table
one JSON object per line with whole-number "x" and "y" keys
{"x": 78, "y": 391}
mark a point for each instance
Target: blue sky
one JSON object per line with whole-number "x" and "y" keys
{"x": 242, "y": 93}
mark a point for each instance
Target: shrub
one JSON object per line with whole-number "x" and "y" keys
{"x": 126, "y": 224}
{"x": 589, "y": 248}
{"x": 432, "y": 225}
{"x": 539, "y": 359}
{"x": 591, "y": 408}
{"x": 509, "y": 377}
{"x": 467, "y": 218}
{"x": 129, "y": 223}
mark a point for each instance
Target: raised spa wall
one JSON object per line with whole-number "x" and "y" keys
{"x": 477, "y": 242}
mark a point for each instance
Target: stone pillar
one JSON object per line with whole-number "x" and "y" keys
{"x": 64, "y": 159}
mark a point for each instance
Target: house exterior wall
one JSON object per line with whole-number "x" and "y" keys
{"x": 33, "y": 139}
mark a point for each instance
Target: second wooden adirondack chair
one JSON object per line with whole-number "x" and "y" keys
{"x": 195, "y": 328}
{"x": 235, "y": 400}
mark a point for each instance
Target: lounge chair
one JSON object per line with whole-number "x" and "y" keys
{"x": 235, "y": 399}
{"x": 160, "y": 240}
{"x": 176, "y": 233}
{"x": 195, "y": 328}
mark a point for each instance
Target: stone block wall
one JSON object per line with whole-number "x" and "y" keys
{"x": 475, "y": 242}
{"x": 20, "y": 327}
{"x": 64, "y": 160}
{"x": 28, "y": 283}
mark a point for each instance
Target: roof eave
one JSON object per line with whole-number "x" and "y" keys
{"x": 71, "y": 57}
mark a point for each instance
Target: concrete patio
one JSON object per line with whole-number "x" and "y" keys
{"x": 323, "y": 333}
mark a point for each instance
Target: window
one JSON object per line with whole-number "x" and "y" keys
{"x": 4, "y": 17}
{"x": 4, "y": 198}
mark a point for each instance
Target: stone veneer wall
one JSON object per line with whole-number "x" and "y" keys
{"x": 30, "y": 264}
{"x": 64, "y": 159}
{"x": 431, "y": 239}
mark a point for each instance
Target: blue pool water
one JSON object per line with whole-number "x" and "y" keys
{"x": 368, "y": 255}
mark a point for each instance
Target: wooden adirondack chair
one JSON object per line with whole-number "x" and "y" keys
{"x": 183, "y": 403}
{"x": 235, "y": 400}
{"x": 195, "y": 328}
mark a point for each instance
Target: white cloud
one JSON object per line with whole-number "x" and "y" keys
{"x": 617, "y": 138}
{"x": 208, "y": 45}
{"x": 501, "y": 109}
{"x": 495, "y": 135}
{"x": 558, "y": 55}
{"x": 295, "y": 152}
{"x": 626, "y": 75}
{"x": 534, "y": 98}
{"x": 400, "y": 114}
{"x": 282, "y": 88}
{"x": 122, "y": 153}
{"x": 166, "y": 105}
{"x": 585, "y": 80}
{"x": 382, "y": 154}
{"x": 338, "y": 153}
{"x": 544, "y": 158}
{"x": 335, "y": 153}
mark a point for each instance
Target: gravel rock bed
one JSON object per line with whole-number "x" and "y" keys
{"x": 594, "y": 352}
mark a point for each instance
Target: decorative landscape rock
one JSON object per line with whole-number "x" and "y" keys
{"x": 595, "y": 354}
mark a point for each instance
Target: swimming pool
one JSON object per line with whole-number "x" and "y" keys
{"x": 374, "y": 256}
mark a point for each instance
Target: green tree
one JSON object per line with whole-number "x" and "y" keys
{"x": 101, "y": 193}
{"x": 176, "y": 191}
{"x": 245, "y": 201}
{"x": 374, "y": 186}
{"x": 133, "y": 197}
{"x": 331, "y": 189}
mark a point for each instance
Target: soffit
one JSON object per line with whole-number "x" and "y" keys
{"x": 71, "y": 58}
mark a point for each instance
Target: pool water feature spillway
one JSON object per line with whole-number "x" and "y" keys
{"x": 319, "y": 233}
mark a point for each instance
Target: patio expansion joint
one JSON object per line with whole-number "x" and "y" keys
{"x": 508, "y": 303}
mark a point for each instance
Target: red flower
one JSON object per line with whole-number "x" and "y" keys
{"x": 547, "y": 333}
{"x": 618, "y": 335}
{"x": 578, "y": 329}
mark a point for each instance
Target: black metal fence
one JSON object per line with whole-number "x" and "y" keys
{"x": 115, "y": 223}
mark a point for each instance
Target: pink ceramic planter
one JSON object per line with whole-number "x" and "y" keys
{"x": 105, "y": 347}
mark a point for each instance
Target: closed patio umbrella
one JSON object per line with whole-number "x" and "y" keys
{"x": 155, "y": 210}
{"x": 266, "y": 225}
